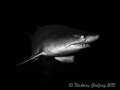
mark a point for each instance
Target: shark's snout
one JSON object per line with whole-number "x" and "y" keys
{"x": 92, "y": 38}
{"x": 81, "y": 43}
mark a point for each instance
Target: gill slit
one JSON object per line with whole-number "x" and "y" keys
{"x": 46, "y": 49}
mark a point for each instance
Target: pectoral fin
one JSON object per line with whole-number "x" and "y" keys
{"x": 66, "y": 59}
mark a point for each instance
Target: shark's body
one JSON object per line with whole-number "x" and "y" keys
{"x": 56, "y": 40}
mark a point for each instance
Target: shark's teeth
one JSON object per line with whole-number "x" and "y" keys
{"x": 84, "y": 45}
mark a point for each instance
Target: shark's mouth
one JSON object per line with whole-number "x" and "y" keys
{"x": 82, "y": 45}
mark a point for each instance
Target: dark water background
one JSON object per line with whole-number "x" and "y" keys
{"x": 91, "y": 65}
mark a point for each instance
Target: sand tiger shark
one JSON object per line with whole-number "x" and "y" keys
{"x": 57, "y": 40}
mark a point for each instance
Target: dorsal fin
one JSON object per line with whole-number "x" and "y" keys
{"x": 37, "y": 26}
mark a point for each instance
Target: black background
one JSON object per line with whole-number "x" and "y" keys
{"x": 92, "y": 64}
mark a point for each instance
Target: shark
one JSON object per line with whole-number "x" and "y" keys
{"x": 56, "y": 41}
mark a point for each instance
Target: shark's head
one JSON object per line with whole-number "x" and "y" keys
{"x": 70, "y": 44}
{"x": 81, "y": 42}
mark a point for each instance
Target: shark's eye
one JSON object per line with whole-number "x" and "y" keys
{"x": 76, "y": 35}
